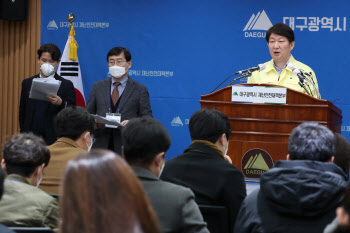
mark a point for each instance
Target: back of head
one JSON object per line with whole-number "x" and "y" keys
{"x": 282, "y": 30}
{"x": 72, "y": 122}
{"x": 52, "y": 49}
{"x": 24, "y": 153}
{"x": 143, "y": 138}
{"x": 209, "y": 125}
{"x": 342, "y": 152}
{"x": 311, "y": 141}
{"x": 102, "y": 194}
{"x": 117, "y": 51}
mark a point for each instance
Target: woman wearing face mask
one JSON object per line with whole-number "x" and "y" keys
{"x": 37, "y": 115}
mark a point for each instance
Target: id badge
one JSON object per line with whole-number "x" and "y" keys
{"x": 113, "y": 117}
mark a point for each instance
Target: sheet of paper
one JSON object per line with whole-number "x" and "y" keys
{"x": 104, "y": 120}
{"x": 41, "y": 88}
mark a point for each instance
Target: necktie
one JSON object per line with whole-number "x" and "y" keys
{"x": 115, "y": 93}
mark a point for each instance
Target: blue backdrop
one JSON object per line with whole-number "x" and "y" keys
{"x": 183, "y": 49}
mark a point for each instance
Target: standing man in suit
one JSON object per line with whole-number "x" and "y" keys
{"x": 120, "y": 95}
{"x": 37, "y": 115}
{"x": 145, "y": 142}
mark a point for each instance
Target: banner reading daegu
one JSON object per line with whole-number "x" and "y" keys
{"x": 259, "y": 94}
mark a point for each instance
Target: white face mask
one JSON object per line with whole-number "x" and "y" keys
{"x": 38, "y": 181}
{"x": 47, "y": 69}
{"x": 89, "y": 147}
{"x": 161, "y": 170}
{"x": 117, "y": 71}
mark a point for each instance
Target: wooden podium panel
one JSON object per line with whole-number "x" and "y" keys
{"x": 268, "y": 126}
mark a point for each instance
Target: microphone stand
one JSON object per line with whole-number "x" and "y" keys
{"x": 313, "y": 84}
{"x": 222, "y": 82}
{"x": 301, "y": 83}
{"x": 244, "y": 75}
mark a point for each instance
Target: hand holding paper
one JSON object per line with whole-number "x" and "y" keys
{"x": 54, "y": 99}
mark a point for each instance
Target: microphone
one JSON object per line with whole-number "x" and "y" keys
{"x": 292, "y": 67}
{"x": 299, "y": 74}
{"x": 248, "y": 72}
{"x": 260, "y": 67}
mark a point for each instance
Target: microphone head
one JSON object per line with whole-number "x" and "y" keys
{"x": 296, "y": 71}
{"x": 292, "y": 66}
{"x": 261, "y": 67}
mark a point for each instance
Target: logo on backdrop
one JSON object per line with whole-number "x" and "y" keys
{"x": 52, "y": 25}
{"x": 256, "y": 24}
{"x": 90, "y": 25}
{"x": 255, "y": 162}
{"x": 177, "y": 122}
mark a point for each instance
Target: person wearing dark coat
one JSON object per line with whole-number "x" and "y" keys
{"x": 300, "y": 194}
{"x": 37, "y": 116}
{"x": 203, "y": 168}
{"x": 145, "y": 142}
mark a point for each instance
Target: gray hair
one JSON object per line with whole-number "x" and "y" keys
{"x": 311, "y": 141}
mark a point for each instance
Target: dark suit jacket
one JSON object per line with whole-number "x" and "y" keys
{"x": 213, "y": 180}
{"x": 134, "y": 103}
{"x": 175, "y": 206}
{"x": 26, "y": 107}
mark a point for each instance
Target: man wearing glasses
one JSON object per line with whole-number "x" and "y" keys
{"x": 119, "y": 98}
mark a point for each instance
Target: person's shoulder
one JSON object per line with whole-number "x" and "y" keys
{"x": 29, "y": 192}
{"x": 30, "y": 79}
{"x": 63, "y": 80}
{"x": 175, "y": 190}
{"x": 137, "y": 84}
{"x": 101, "y": 82}
{"x": 303, "y": 66}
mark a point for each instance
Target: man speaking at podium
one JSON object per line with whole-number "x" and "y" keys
{"x": 280, "y": 40}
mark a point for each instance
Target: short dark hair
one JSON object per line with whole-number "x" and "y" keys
{"x": 51, "y": 49}
{"x": 282, "y": 30}
{"x": 311, "y": 141}
{"x": 72, "y": 121}
{"x": 209, "y": 125}
{"x": 2, "y": 179}
{"x": 24, "y": 153}
{"x": 117, "y": 51}
{"x": 142, "y": 139}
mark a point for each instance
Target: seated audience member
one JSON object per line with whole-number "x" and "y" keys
{"x": 3, "y": 228}
{"x": 342, "y": 152}
{"x": 23, "y": 203}
{"x": 300, "y": 194}
{"x": 102, "y": 194}
{"x": 202, "y": 166}
{"x": 74, "y": 127}
{"x": 145, "y": 142}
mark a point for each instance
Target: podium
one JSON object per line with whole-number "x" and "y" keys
{"x": 268, "y": 126}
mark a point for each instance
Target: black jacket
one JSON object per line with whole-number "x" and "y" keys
{"x": 27, "y": 105}
{"x": 294, "y": 196}
{"x": 213, "y": 180}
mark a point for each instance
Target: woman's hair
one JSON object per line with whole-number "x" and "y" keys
{"x": 101, "y": 193}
